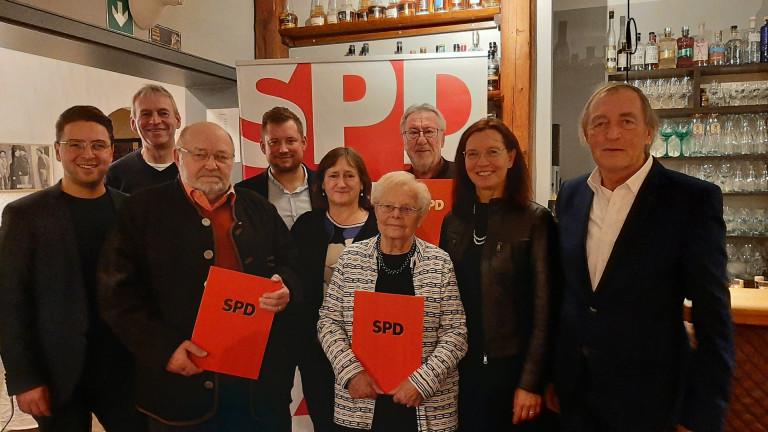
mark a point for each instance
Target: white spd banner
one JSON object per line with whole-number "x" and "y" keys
{"x": 358, "y": 102}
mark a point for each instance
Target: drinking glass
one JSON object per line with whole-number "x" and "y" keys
{"x": 745, "y": 138}
{"x": 667, "y": 131}
{"x": 715, "y": 92}
{"x": 682, "y": 131}
{"x": 685, "y": 89}
{"x": 724, "y": 171}
{"x": 728, "y": 138}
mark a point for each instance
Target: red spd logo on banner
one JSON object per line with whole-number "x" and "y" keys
{"x": 359, "y": 104}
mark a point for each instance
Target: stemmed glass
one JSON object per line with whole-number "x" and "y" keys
{"x": 673, "y": 88}
{"x": 685, "y": 89}
{"x": 667, "y": 131}
{"x": 662, "y": 90}
{"x": 650, "y": 90}
{"x": 715, "y": 90}
{"x": 682, "y": 131}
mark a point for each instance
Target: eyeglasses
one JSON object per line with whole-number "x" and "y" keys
{"x": 203, "y": 156}
{"x": 404, "y": 210}
{"x": 491, "y": 153}
{"x": 78, "y": 146}
{"x": 414, "y": 134}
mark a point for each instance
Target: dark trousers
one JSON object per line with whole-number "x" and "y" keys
{"x": 317, "y": 383}
{"x": 487, "y": 393}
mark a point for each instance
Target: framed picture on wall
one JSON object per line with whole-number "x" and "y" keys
{"x": 25, "y": 166}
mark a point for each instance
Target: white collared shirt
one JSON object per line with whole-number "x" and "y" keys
{"x": 607, "y": 216}
{"x": 290, "y": 205}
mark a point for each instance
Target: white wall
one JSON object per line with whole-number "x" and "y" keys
{"x": 218, "y": 30}
{"x": 36, "y": 90}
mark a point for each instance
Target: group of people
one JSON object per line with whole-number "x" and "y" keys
{"x": 523, "y": 316}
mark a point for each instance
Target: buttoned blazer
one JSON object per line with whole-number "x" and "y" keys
{"x": 44, "y": 306}
{"x": 152, "y": 279}
{"x": 628, "y": 335}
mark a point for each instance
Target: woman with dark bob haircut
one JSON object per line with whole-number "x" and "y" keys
{"x": 342, "y": 214}
{"x": 503, "y": 248}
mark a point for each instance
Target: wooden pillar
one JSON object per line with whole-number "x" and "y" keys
{"x": 516, "y": 72}
{"x": 268, "y": 43}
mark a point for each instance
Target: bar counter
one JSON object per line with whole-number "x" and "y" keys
{"x": 749, "y": 392}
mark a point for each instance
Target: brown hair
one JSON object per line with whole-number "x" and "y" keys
{"x": 280, "y": 115}
{"x": 319, "y": 200}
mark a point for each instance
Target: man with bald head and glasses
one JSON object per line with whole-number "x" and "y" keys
{"x": 423, "y": 130}
{"x": 62, "y": 361}
{"x": 152, "y": 278}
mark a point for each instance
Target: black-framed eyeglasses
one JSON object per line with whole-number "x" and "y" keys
{"x": 404, "y": 210}
{"x": 78, "y": 146}
{"x": 203, "y": 156}
{"x": 414, "y": 134}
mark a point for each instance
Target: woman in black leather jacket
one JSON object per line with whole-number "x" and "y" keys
{"x": 503, "y": 249}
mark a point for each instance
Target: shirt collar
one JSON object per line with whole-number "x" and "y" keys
{"x": 274, "y": 181}
{"x": 595, "y": 180}
{"x": 199, "y": 198}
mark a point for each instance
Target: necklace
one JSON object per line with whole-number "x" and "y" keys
{"x": 478, "y": 240}
{"x": 380, "y": 259}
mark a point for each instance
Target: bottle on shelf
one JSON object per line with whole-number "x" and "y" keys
{"x": 475, "y": 41}
{"x": 475, "y": 4}
{"x": 362, "y": 10}
{"x": 406, "y": 8}
{"x": 637, "y": 62}
{"x": 622, "y": 57}
{"x": 364, "y": 50}
{"x": 764, "y": 42}
{"x": 717, "y": 54}
{"x": 399, "y": 47}
{"x": 439, "y": 6}
{"x": 491, "y": 3}
{"x": 457, "y": 5}
{"x": 610, "y": 45}
{"x": 734, "y": 49}
{"x": 350, "y": 51}
{"x": 667, "y": 50}
{"x": 651, "y": 52}
{"x": 685, "y": 49}
{"x": 287, "y": 18}
{"x": 697, "y": 136}
{"x": 391, "y": 11}
{"x": 347, "y": 12}
{"x": 318, "y": 16}
{"x": 333, "y": 12}
{"x": 422, "y": 7}
{"x": 376, "y": 10}
{"x": 493, "y": 71}
{"x": 752, "y": 43}
{"x": 712, "y": 140}
{"x": 700, "y": 48}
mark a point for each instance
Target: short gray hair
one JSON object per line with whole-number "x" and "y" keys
{"x": 403, "y": 181}
{"x": 153, "y": 89}
{"x": 417, "y": 108}
{"x": 651, "y": 118}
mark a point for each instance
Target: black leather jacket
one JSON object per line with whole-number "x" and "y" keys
{"x": 518, "y": 265}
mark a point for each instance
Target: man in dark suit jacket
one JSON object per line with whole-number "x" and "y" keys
{"x": 636, "y": 240}
{"x": 62, "y": 361}
{"x": 287, "y": 182}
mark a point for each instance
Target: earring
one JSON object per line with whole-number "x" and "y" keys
{"x": 361, "y": 193}
{"x": 323, "y": 192}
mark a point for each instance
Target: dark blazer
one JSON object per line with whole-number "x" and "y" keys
{"x": 44, "y": 320}
{"x": 258, "y": 183}
{"x": 627, "y": 338}
{"x": 152, "y": 277}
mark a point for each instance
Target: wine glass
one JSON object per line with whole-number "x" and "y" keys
{"x": 715, "y": 90}
{"x": 682, "y": 131}
{"x": 667, "y": 131}
{"x": 685, "y": 88}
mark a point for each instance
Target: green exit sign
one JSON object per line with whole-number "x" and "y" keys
{"x": 119, "y": 16}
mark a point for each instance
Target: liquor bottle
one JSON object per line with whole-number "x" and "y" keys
{"x": 391, "y": 11}
{"x": 712, "y": 142}
{"x": 364, "y": 50}
{"x": 333, "y": 12}
{"x": 376, "y": 10}
{"x": 734, "y": 48}
{"x": 667, "y": 50}
{"x": 717, "y": 50}
{"x": 457, "y": 5}
{"x": 493, "y": 71}
{"x": 317, "y": 17}
{"x": 685, "y": 49}
{"x": 422, "y": 7}
{"x": 350, "y": 51}
{"x": 406, "y": 8}
{"x": 287, "y": 18}
{"x": 637, "y": 62}
{"x": 651, "y": 53}
{"x": 610, "y": 45}
{"x": 399, "y": 48}
{"x": 439, "y": 6}
{"x": 622, "y": 57}
{"x": 347, "y": 12}
{"x": 362, "y": 11}
{"x": 752, "y": 45}
{"x": 700, "y": 48}
{"x": 475, "y": 4}
{"x": 764, "y": 42}
{"x": 491, "y": 3}
{"x": 475, "y": 41}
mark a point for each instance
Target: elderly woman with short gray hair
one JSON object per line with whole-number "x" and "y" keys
{"x": 397, "y": 262}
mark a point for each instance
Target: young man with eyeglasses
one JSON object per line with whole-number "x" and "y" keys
{"x": 155, "y": 117}
{"x": 286, "y": 183}
{"x": 152, "y": 278}
{"x": 62, "y": 361}
{"x": 423, "y": 130}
